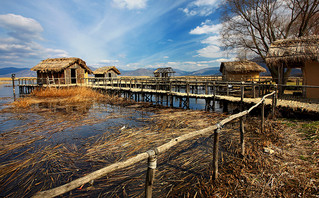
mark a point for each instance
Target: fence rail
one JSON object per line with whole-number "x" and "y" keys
{"x": 151, "y": 155}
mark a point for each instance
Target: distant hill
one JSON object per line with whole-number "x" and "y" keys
{"x": 206, "y": 72}
{"x": 26, "y": 72}
{"x": 19, "y": 72}
{"x": 137, "y": 72}
{"x": 149, "y": 72}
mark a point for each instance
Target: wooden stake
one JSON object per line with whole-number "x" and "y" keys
{"x": 215, "y": 153}
{"x": 150, "y": 174}
{"x": 273, "y": 106}
{"x": 262, "y": 116}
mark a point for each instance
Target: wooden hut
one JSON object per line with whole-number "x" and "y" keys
{"x": 240, "y": 70}
{"x": 62, "y": 71}
{"x": 106, "y": 72}
{"x": 297, "y": 53}
{"x": 164, "y": 72}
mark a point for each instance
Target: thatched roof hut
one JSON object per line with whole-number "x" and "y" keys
{"x": 301, "y": 53}
{"x": 164, "y": 72}
{"x": 293, "y": 52}
{"x": 240, "y": 70}
{"x": 62, "y": 71}
{"x": 59, "y": 64}
{"x": 106, "y": 69}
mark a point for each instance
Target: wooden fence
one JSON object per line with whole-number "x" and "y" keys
{"x": 151, "y": 155}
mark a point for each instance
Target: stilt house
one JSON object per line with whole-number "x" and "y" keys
{"x": 62, "y": 71}
{"x": 240, "y": 70}
{"x": 164, "y": 72}
{"x": 106, "y": 72}
{"x": 297, "y": 53}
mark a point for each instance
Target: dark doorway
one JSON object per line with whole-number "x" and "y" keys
{"x": 73, "y": 76}
{"x": 110, "y": 75}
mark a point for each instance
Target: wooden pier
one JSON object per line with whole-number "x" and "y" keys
{"x": 164, "y": 91}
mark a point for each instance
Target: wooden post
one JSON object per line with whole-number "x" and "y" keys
{"x": 206, "y": 88}
{"x": 150, "y": 174}
{"x": 13, "y": 86}
{"x": 214, "y": 97}
{"x": 262, "y": 117}
{"x": 242, "y": 132}
{"x": 242, "y": 127}
{"x": 227, "y": 88}
{"x": 172, "y": 100}
{"x": 273, "y": 106}
{"x": 254, "y": 89}
{"x": 187, "y": 87}
{"x": 215, "y": 153}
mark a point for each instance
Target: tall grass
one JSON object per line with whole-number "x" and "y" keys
{"x": 67, "y": 96}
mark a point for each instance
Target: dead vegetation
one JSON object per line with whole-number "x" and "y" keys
{"x": 281, "y": 162}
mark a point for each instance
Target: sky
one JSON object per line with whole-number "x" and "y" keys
{"x": 129, "y": 34}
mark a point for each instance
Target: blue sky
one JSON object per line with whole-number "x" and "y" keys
{"x": 129, "y": 34}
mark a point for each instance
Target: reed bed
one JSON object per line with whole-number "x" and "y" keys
{"x": 31, "y": 159}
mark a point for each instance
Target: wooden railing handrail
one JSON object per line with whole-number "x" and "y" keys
{"x": 142, "y": 156}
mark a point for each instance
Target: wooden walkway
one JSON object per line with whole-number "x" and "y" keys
{"x": 162, "y": 91}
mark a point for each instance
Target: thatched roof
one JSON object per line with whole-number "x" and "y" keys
{"x": 241, "y": 67}
{"x": 164, "y": 70}
{"x": 293, "y": 52}
{"x": 104, "y": 70}
{"x": 59, "y": 64}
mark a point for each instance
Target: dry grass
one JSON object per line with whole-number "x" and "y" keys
{"x": 66, "y": 96}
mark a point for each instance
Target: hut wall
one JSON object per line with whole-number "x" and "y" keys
{"x": 112, "y": 73}
{"x": 79, "y": 72}
{"x": 252, "y": 76}
{"x": 50, "y": 77}
{"x": 311, "y": 71}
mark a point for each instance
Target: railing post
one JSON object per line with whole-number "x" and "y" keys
{"x": 215, "y": 153}
{"x": 150, "y": 174}
{"x": 262, "y": 116}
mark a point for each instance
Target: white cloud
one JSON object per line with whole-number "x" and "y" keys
{"x": 130, "y": 4}
{"x": 165, "y": 57}
{"x": 19, "y": 43}
{"x": 202, "y": 7}
{"x": 20, "y": 27}
{"x": 108, "y": 61}
{"x": 207, "y": 29}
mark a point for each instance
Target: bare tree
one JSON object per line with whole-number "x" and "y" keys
{"x": 255, "y": 24}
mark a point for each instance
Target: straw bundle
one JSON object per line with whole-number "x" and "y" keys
{"x": 294, "y": 51}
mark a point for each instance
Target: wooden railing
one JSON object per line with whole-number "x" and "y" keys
{"x": 151, "y": 155}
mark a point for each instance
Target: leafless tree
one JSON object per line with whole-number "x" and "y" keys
{"x": 255, "y": 24}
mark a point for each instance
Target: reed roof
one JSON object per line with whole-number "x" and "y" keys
{"x": 104, "y": 70}
{"x": 244, "y": 66}
{"x": 164, "y": 70}
{"x": 293, "y": 52}
{"x": 59, "y": 64}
